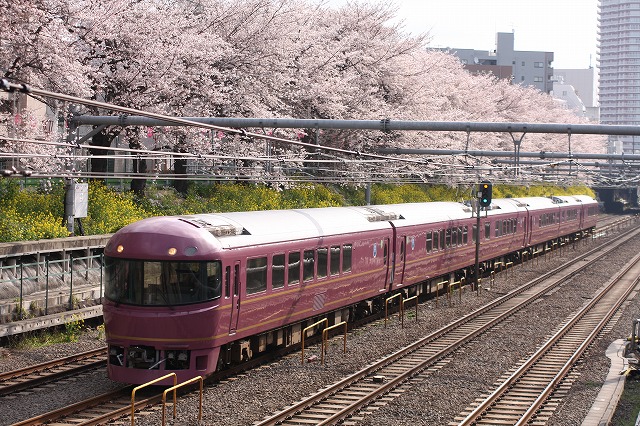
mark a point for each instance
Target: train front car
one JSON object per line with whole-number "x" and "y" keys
{"x": 162, "y": 285}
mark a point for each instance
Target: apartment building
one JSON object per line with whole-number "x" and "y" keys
{"x": 529, "y": 68}
{"x": 619, "y": 66}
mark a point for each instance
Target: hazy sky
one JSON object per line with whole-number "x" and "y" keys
{"x": 566, "y": 27}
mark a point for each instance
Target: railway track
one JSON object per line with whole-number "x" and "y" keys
{"x": 520, "y": 397}
{"x": 118, "y": 404}
{"x": 36, "y": 375}
{"x": 364, "y": 390}
{"x": 95, "y": 411}
{"x": 612, "y": 222}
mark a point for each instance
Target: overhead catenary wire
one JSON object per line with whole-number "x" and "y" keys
{"x": 435, "y": 164}
{"x": 23, "y": 88}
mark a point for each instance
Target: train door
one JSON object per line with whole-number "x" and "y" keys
{"x": 525, "y": 231}
{"x": 402, "y": 256}
{"x": 581, "y": 216}
{"x": 391, "y": 259}
{"x": 234, "y": 295}
{"x": 386, "y": 252}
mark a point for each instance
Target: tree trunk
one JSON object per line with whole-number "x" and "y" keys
{"x": 180, "y": 167}
{"x": 139, "y": 185}
{"x": 180, "y": 170}
{"x": 102, "y": 139}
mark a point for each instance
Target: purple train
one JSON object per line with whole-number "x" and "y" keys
{"x": 193, "y": 294}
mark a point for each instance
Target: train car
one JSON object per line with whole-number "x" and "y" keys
{"x": 193, "y": 294}
{"x": 181, "y": 289}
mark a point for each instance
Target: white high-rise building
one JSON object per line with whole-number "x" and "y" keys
{"x": 619, "y": 63}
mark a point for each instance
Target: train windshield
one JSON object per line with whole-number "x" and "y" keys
{"x": 160, "y": 283}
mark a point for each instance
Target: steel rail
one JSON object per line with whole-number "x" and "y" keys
{"x": 531, "y": 412}
{"x": 489, "y": 403}
{"x": 577, "y": 264}
{"x": 120, "y": 397}
{"x": 28, "y": 377}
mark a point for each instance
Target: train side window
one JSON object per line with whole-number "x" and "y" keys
{"x": 505, "y": 228}
{"x": 441, "y": 239}
{"x": 323, "y": 261}
{"x": 465, "y": 236}
{"x": 429, "y": 241}
{"x": 227, "y": 282}
{"x": 402, "y": 250}
{"x": 385, "y": 254}
{"x": 454, "y": 237}
{"x": 294, "y": 268}
{"x": 236, "y": 280}
{"x": 436, "y": 240}
{"x": 474, "y": 233}
{"x": 460, "y": 235}
{"x": 256, "y": 279}
{"x": 498, "y": 228}
{"x": 335, "y": 260}
{"x": 308, "y": 262}
{"x": 277, "y": 271}
{"x": 346, "y": 257}
{"x": 487, "y": 230}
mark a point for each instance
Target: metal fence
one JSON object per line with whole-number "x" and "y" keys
{"x": 69, "y": 275}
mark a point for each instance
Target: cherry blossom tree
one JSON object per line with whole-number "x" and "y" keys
{"x": 264, "y": 58}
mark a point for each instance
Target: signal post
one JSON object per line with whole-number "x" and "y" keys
{"x": 483, "y": 200}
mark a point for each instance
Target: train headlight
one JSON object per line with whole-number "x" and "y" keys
{"x": 172, "y": 251}
{"x": 120, "y": 249}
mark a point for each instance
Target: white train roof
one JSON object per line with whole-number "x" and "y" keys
{"x": 260, "y": 227}
{"x": 578, "y": 199}
{"x": 418, "y": 213}
{"x": 237, "y": 229}
{"x": 537, "y": 203}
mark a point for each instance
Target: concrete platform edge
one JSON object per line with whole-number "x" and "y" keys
{"x": 604, "y": 407}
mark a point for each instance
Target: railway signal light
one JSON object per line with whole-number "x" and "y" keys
{"x": 485, "y": 194}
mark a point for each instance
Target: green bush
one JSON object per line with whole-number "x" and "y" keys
{"x": 163, "y": 201}
{"x": 15, "y": 226}
{"x": 28, "y": 214}
{"x": 308, "y": 195}
{"x": 31, "y": 214}
{"x": 109, "y": 211}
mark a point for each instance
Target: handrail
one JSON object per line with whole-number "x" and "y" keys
{"x": 325, "y": 338}
{"x": 175, "y": 402}
{"x": 133, "y": 393}
{"x": 403, "y": 310}
{"x": 506, "y": 269}
{"x": 438, "y": 289}
{"x": 463, "y": 282}
{"x": 386, "y": 306}
{"x": 325, "y": 321}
